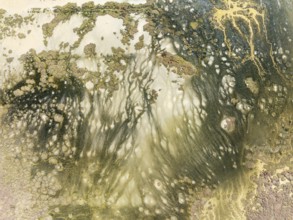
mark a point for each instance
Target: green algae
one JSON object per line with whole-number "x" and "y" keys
{"x": 90, "y": 12}
{"x": 9, "y": 24}
{"x": 271, "y": 145}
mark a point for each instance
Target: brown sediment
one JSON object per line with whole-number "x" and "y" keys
{"x": 177, "y": 64}
{"x": 230, "y": 199}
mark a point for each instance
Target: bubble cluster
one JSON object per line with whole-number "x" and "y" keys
{"x": 163, "y": 110}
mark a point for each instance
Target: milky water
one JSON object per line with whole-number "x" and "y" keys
{"x": 143, "y": 109}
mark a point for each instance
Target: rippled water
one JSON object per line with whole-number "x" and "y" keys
{"x": 158, "y": 109}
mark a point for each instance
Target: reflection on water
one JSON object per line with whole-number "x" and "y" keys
{"x": 160, "y": 110}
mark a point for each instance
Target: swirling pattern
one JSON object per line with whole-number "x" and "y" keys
{"x": 159, "y": 110}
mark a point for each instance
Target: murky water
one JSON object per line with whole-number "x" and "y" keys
{"x": 146, "y": 110}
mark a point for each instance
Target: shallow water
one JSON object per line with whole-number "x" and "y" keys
{"x": 159, "y": 110}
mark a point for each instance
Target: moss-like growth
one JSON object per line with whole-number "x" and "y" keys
{"x": 90, "y": 50}
{"x": 62, "y": 14}
{"x": 10, "y": 23}
{"x": 139, "y": 45}
{"x": 90, "y": 11}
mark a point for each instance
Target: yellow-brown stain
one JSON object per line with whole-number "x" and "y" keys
{"x": 177, "y": 64}
{"x": 237, "y": 13}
